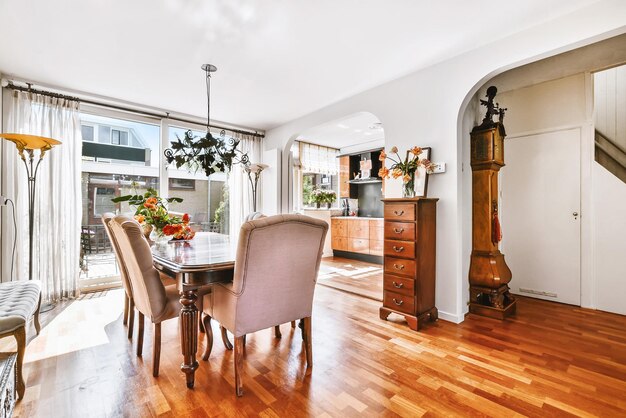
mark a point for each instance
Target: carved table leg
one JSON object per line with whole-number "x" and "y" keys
{"x": 189, "y": 333}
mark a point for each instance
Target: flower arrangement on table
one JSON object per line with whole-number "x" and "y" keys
{"x": 404, "y": 168}
{"x": 151, "y": 212}
{"x": 320, "y": 196}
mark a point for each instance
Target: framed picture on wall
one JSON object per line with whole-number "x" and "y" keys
{"x": 421, "y": 176}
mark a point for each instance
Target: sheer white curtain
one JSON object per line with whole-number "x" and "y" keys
{"x": 240, "y": 193}
{"x": 57, "y": 208}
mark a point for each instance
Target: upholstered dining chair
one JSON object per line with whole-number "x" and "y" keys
{"x": 277, "y": 262}
{"x": 129, "y": 303}
{"x": 151, "y": 297}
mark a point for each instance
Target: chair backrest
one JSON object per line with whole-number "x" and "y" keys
{"x": 107, "y": 218}
{"x": 278, "y": 258}
{"x": 148, "y": 290}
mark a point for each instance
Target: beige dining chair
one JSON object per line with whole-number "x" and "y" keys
{"x": 129, "y": 303}
{"x": 151, "y": 297}
{"x": 277, "y": 262}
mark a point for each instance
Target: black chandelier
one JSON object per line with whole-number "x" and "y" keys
{"x": 209, "y": 153}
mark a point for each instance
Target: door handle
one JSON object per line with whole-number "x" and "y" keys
{"x": 575, "y": 215}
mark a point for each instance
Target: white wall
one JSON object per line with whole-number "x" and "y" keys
{"x": 610, "y": 103}
{"x": 609, "y": 197}
{"x": 426, "y": 108}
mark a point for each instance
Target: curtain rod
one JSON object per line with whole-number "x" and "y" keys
{"x": 126, "y": 109}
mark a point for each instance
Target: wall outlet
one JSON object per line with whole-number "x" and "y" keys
{"x": 439, "y": 168}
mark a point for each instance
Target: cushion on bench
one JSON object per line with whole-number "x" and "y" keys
{"x": 18, "y": 301}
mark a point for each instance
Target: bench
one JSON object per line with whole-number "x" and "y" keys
{"x": 19, "y": 302}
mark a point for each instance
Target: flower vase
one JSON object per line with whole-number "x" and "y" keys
{"x": 158, "y": 237}
{"x": 408, "y": 186}
{"x": 328, "y": 205}
{"x": 317, "y": 204}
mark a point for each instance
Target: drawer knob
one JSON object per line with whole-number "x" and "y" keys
{"x": 398, "y": 285}
{"x": 398, "y": 249}
{"x": 398, "y": 230}
{"x": 398, "y": 302}
{"x": 398, "y": 266}
{"x": 398, "y": 212}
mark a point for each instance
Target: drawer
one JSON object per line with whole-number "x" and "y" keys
{"x": 399, "y": 284}
{"x": 376, "y": 223}
{"x": 359, "y": 228}
{"x": 338, "y": 228}
{"x": 399, "y": 266}
{"x": 376, "y": 247}
{"x": 403, "y": 249}
{"x": 399, "y": 302}
{"x": 400, "y": 230}
{"x": 357, "y": 245}
{"x": 376, "y": 233}
{"x": 399, "y": 212}
{"x": 340, "y": 243}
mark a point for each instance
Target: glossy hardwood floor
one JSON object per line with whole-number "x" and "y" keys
{"x": 550, "y": 360}
{"x": 352, "y": 276}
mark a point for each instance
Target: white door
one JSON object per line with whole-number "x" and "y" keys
{"x": 540, "y": 215}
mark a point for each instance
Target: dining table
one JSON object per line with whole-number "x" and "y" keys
{"x": 206, "y": 259}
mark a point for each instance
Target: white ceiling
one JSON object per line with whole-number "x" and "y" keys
{"x": 277, "y": 59}
{"x": 358, "y": 129}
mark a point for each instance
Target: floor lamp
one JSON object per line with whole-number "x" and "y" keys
{"x": 26, "y": 146}
{"x": 254, "y": 170}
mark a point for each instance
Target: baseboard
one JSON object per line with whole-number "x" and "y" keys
{"x": 455, "y": 319}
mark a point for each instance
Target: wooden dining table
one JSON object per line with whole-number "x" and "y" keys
{"x": 208, "y": 258}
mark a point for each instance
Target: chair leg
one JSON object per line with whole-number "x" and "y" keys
{"x": 206, "y": 322}
{"x": 36, "y": 317}
{"x": 201, "y": 323}
{"x": 156, "y": 349}
{"x": 239, "y": 343}
{"x": 20, "y": 337}
{"x": 125, "y": 317}
{"x": 140, "y": 323}
{"x": 225, "y": 339}
{"x": 293, "y": 324}
{"x": 277, "y": 333}
{"x": 131, "y": 317}
{"x": 306, "y": 331}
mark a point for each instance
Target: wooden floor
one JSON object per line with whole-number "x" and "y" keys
{"x": 353, "y": 276}
{"x": 550, "y": 360}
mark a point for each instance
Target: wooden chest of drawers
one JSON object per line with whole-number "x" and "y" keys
{"x": 7, "y": 384}
{"x": 410, "y": 257}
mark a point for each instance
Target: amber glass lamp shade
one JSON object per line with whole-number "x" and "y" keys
{"x": 31, "y": 142}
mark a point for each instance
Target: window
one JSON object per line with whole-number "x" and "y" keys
{"x": 111, "y": 168}
{"x": 119, "y": 137}
{"x": 315, "y": 167}
{"x": 87, "y": 132}
{"x": 205, "y": 200}
{"x": 182, "y": 184}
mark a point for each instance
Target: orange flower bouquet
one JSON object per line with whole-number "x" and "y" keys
{"x": 151, "y": 210}
{"x": 404, "y": 168}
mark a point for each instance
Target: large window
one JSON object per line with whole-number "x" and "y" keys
{"x": 315, "y": 167}
{"x": 206, "y": 200}
{"x": 120, "y": 156}
{"x": 124, "y": 155}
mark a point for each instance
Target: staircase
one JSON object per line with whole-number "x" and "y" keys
{"x": 611, "y": 156}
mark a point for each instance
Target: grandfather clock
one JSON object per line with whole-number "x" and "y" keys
{"x": 488, "y": 275}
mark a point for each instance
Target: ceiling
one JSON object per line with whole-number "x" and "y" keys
{"x": 277, "y": 59}
{"x": 358, "y": 129}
